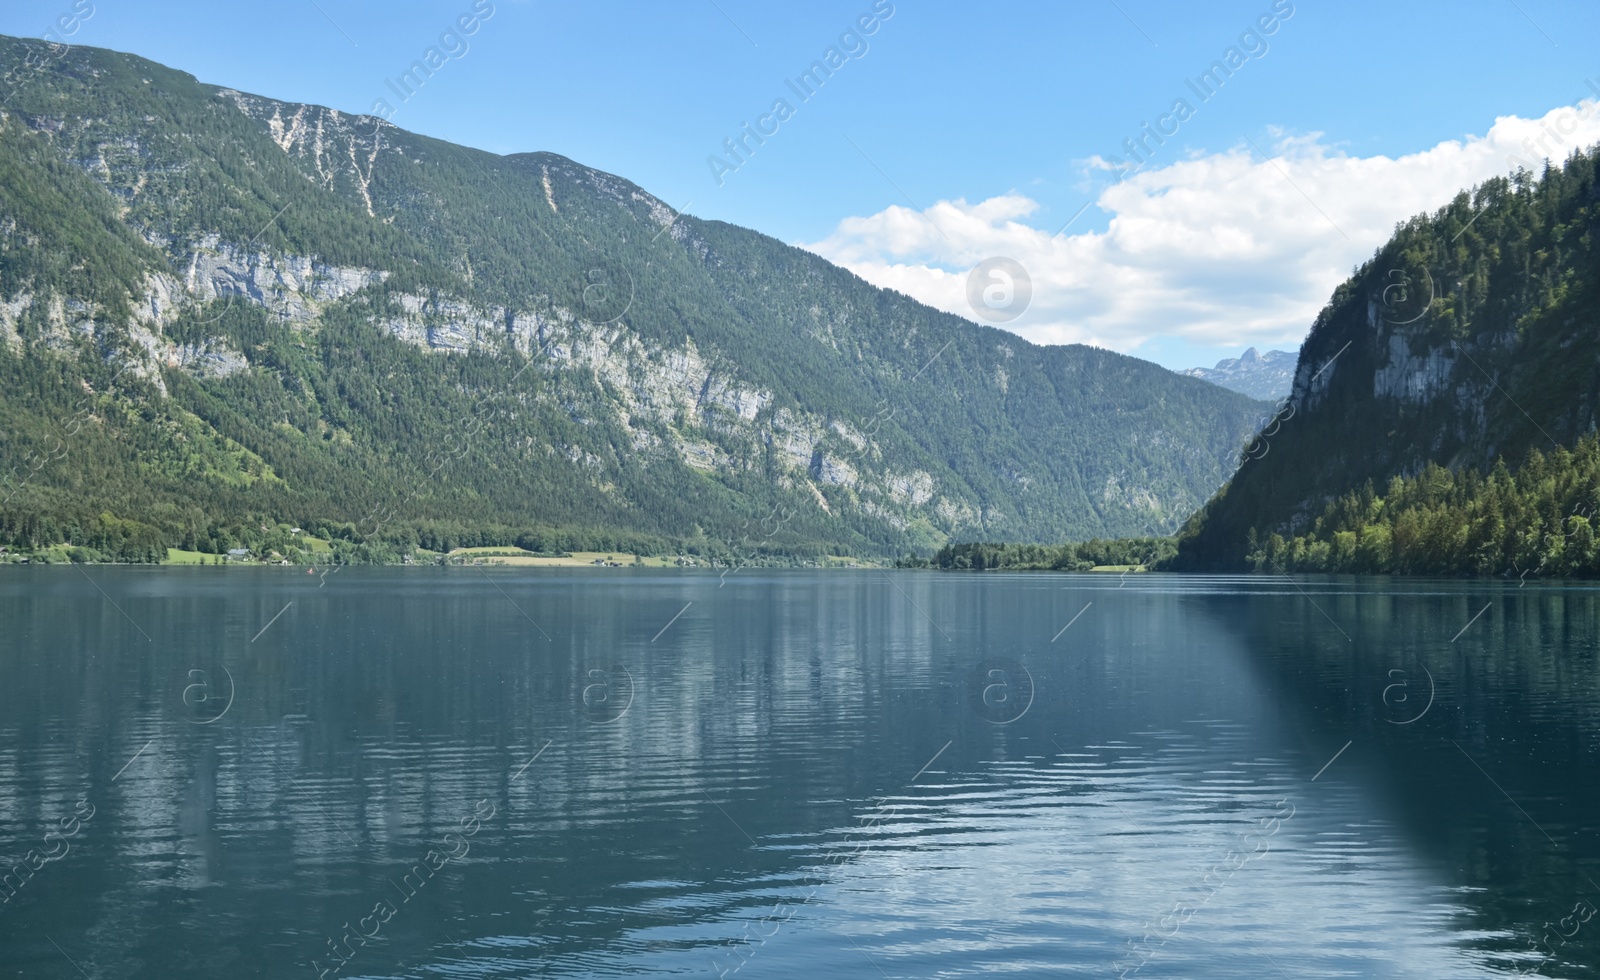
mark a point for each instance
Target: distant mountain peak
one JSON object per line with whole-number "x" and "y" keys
{"x": 1267, "y": 376}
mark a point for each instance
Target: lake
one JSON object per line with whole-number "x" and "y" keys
{"x": 467, "y": 772}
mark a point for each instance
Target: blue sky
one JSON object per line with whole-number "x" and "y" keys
{"x": 1000, "y": 111}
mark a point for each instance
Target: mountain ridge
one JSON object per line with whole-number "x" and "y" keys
{"x": 302, "y": 298}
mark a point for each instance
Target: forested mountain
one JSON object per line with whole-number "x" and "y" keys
{"x": 1471, "y": 339}
{"x": 221, "y": 315}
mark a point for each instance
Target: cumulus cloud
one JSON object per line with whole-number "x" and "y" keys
{"x": 1224, "y": 249}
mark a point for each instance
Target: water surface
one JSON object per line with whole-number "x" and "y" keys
{"x": 608, "y": 773}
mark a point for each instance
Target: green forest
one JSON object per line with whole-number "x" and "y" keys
{"x": 1537, "y": 521}
{"x": 1133, "y": 553}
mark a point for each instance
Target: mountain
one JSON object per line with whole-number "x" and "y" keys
{"x": 1471, "y": 338}
{"x": 1266, "y": 376}
{"x": 222, "y": 315}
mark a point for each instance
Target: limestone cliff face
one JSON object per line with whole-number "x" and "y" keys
{"x": 1403, "y": 371}
{"x": 1409, "y": 376}
{"x": 293, "y": 288}
{"x": 677, "y": 402}
{"x": 682, "y": 403}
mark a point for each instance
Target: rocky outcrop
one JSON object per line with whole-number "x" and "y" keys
{"x": 294, "y": 288}
{"x": 11, "y": 311}
{"x": 210, "y": 359}
{"x": 1403, "y": 374}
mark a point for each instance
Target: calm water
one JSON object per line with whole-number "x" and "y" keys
{"x": 852, "y": 774}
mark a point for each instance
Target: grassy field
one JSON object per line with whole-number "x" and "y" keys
{"x": 177, "y": 556}
{"x": 845, "y": 561}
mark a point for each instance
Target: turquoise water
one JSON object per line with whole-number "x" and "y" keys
{"x": 605, "y": 773}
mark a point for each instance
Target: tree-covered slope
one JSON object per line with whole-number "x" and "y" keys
{"x": 1472, "y": 336}
{"x": 1536, "y": 521}
{"x": 262, "y": 313}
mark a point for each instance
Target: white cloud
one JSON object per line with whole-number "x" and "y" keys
{"x": 1224, "y": 249}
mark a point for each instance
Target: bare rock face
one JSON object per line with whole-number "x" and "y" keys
{"x": 11, "y": 311}
{"x": 212, "y": 359}
{"x": 293, "y": 287}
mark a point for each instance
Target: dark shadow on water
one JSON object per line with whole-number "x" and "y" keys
{"x": 1498, "y": 782}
